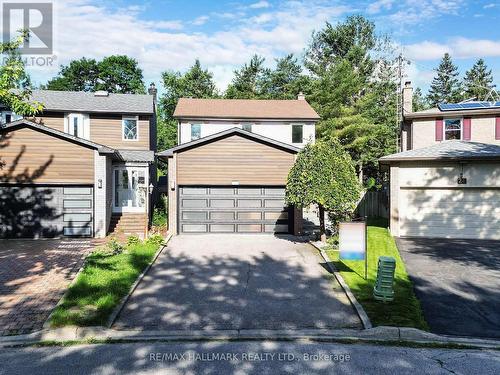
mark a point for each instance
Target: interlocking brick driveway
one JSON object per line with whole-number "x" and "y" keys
{"x": 34, "y": 275}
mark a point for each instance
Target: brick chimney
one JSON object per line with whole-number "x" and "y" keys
{"x": 152, "y": 90}
{"x": 407, "y": 98}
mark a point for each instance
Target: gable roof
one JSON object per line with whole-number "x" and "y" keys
{"x": 245, "y": 109}
{"x": 23, "y": 123}
{"x": 448, "y": 150}
{"x": 80, "y": 101}
{"x": 436, "y": 112}
{"x": 227, "y": 133}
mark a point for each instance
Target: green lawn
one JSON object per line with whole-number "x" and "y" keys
{"x": 104, "y": 281}
{"x": 405, "y": 310}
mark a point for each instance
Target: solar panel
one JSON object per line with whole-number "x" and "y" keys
{"x": 467, "y": 105}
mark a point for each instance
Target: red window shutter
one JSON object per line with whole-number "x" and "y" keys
{"x": 467, "y": 129}
{"x": 439, "y": 129}
{"x": 497, "y": 128}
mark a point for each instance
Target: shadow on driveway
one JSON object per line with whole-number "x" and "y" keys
{"x": 237, "y": 282}
{"x": 457, "y": 282}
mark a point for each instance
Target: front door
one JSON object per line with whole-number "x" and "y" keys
{"x": 129, "y": 189}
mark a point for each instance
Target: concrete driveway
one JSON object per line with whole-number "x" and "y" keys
{"x": 34, "y": 274}
{"x": 457, "y": 282}
{"x": 209, "y": 282}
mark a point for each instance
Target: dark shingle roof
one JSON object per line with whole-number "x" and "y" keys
{"x": 80, "y": 101}
{"x": 448, "y": 150}
{"x": 245, "y": 109}
{"x": 135, "y": 155}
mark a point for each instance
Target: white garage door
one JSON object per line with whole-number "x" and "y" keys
{"x": 450, "y": 213}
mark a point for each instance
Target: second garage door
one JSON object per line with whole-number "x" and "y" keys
{"x": 227, "y": 209}
{"x": 450, "y": 213}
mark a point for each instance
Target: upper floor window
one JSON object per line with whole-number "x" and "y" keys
{"x": 195, "y": 131}
{"x": 130, "y": 128}
{"x": 297, "y": 133}
{"x": 247, "y": 127}
{"x": 452, "y": 129}
{"x": 77, "y": 124}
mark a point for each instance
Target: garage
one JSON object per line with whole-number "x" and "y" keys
{"x": 46, "y": 211}
{"x": 449, "y": 190}
{"x": 450, "y": 213}
{"x": 230, "y": 182}
{"x": 228, "y": 209}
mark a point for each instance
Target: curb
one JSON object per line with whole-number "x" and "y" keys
{"x": 119, "y": 307}
{"x": 363, "y": 316}
{"x": 389, "y": 335}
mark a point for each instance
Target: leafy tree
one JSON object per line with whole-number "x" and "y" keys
{"x": 196, "y": 83}
{"x": 323, "y": 174}
{"x": 14, "y": 81}
{"x": 445, "y": 86}
{"x": 120, "y": 74}
{"x": 478, "y": 81}
{"x": 248, "y": 81}
{"x": 79, "y": 75}
{"x": 116, "y": 74}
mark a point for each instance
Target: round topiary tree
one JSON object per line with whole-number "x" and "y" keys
{"x": 324, "y": 174}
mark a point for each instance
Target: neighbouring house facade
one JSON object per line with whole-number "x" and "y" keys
{"x": 445, "y": 182}
{"x": 82, "y": 167}
{"x": 229, "y": 171}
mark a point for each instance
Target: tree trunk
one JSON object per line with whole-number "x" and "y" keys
{"x": 322, "y": 231}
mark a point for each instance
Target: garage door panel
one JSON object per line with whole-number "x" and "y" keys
{"x": 450, "y": 213}
{"x": 47, "y": 211}
{"x": 232, "y": 209}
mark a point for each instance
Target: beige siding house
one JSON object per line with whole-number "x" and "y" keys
{"x": 446, "y": 181}
{"x": 83, "y": 167}
{"x": 228, "y": 173}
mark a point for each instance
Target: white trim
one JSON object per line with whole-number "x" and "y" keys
{"x": 136, "y": 118}
{"x": 461, "y": 127}
{"x": 146, "y": 185}
{"x": 83, "y": 124}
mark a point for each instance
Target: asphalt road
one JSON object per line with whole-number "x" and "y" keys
{"x": 245, "y": 358}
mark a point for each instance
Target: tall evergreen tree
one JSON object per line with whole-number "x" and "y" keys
{"x": 478, "y": 81}
{"x": 445, "y": 87}
{"x": 286, "y": 80}
{"x": 248, "y": 81}
{"x": 419, "y": 102}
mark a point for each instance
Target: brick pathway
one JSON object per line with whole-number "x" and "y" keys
{"x": 34, "y": 275}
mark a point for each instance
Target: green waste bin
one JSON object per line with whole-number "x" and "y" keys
{"x": 383, "y": 289}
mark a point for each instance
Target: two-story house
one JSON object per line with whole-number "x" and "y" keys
{"x": 229, "y": 171}
{"x": 445, "y": 182}
{"x": 82, "y": 167}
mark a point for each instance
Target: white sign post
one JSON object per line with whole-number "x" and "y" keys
{"x": 352, "y": 242}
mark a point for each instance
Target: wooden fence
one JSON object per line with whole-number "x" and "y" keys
{"x": 373, "y": 203}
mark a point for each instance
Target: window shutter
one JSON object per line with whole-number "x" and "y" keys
{"x": 497, "y": 128}
{"x": 467, "y": 129}
{"x": 439, "y": 129}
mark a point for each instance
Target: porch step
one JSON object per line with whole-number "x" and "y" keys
{"x": 129, "y": 224}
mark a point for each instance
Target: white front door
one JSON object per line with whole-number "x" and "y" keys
{"x": 130, "y": 189}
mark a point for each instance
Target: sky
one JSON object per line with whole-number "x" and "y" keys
{"x": 224, "y": 34}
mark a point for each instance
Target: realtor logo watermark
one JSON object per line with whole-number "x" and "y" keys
{"x": 38, "y": 19}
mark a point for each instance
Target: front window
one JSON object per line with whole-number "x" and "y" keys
{"x": 297, "y": 134}
{"x": 247, "y": 127}
{"x": 195, "y": 131}
{"x": 452, "y": 129}
{"x": 130, "y": 132}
